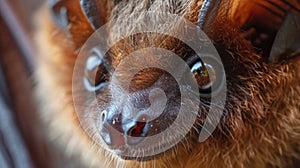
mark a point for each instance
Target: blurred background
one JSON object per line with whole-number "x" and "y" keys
{"x": 22, "y": 143}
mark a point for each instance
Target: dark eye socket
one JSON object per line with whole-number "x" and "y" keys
{"x": 96, "y": 74}
{"x": 208, "y": 74}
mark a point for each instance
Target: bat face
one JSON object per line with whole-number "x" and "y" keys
{"x": 144, "y": 98}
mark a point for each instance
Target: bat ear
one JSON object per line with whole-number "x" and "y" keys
{"x": 92, "y": 11}
{"x": 210, "y": 10}
{"x": 59, "y": 12}
{"x": 287, "y": 41}
{"x": 78, "y": 19}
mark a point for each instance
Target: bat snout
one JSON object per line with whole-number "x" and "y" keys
{"x": 130, "y": 119}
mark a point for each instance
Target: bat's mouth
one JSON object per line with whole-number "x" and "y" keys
{"x": 120, "y": 153}
{"x": 126, "y": 153}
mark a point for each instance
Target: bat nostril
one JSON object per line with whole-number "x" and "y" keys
{"x": 138, "y": 130}
{"x": 111, "y": 129}
{"x": 103, "y": 115}
{"x": 140, "y": 126}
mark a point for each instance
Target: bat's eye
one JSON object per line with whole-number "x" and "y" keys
{"x": 205, "y": 75}
{"x": 95, "y": 73}
{"x": 208, "y": 75}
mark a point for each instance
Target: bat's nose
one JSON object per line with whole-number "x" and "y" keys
{"x": 136, "y": 116}
{"x": 119, "y": 131}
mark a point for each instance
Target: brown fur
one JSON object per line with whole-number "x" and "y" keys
{"x": 261, "y": 122}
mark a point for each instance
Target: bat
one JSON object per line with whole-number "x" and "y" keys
{"x": 249, "y": 73}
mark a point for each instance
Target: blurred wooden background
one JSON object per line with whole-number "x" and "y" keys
{"x": 22, "y": 143}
